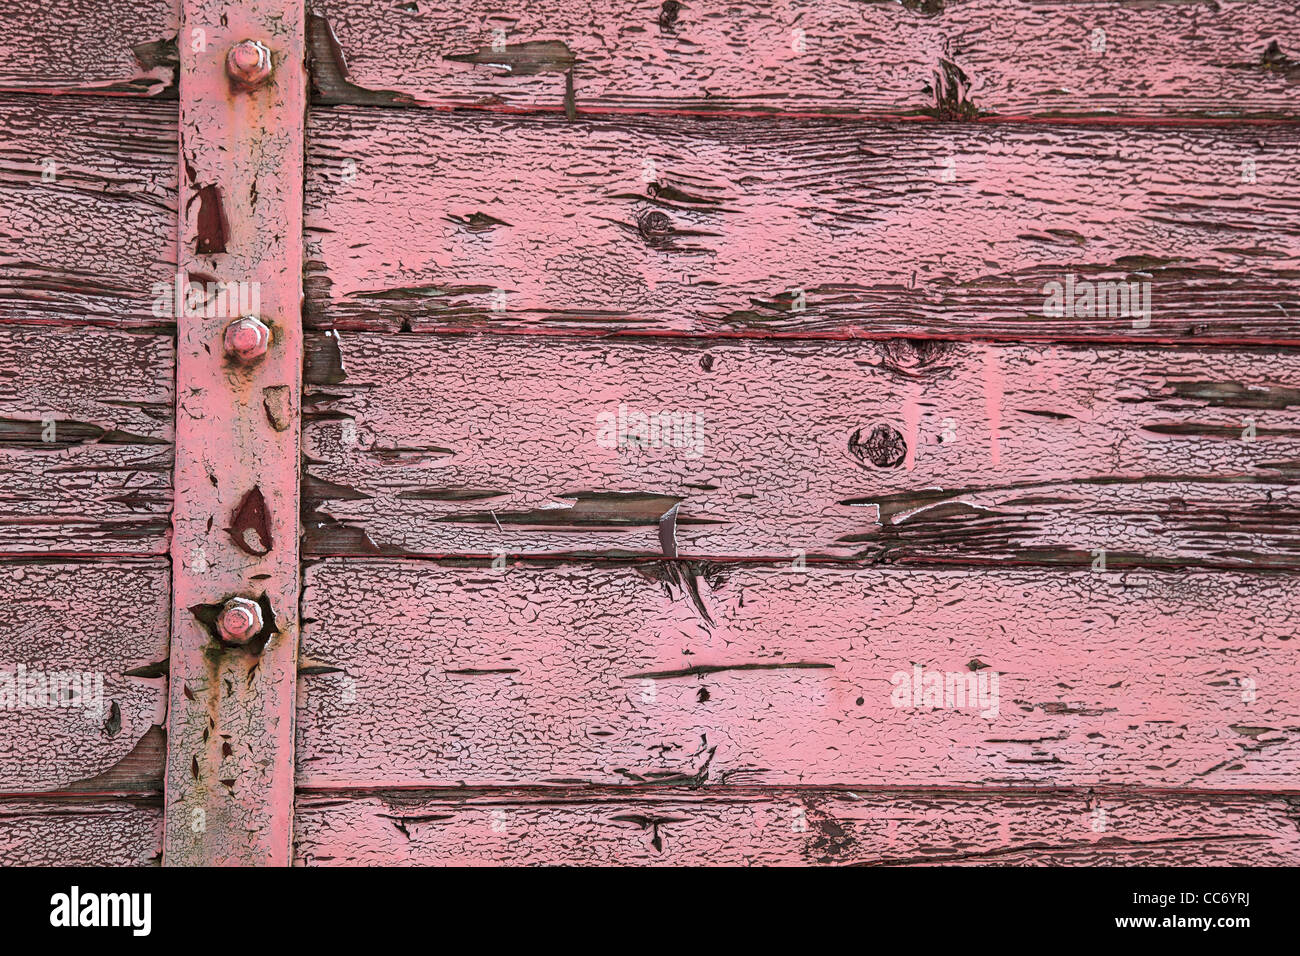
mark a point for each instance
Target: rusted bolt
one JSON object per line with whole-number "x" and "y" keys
{"x": 247, "y": 339}
{"x": 249, "y": 64}
{"x": 240, "y": 621}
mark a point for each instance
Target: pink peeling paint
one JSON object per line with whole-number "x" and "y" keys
{"x": 768, "y": 676}
{"x": 642, "y": 674}
{"x": 837, "y": 57}
{"x": 911, "y": 422}
{"x": 742, "y": 825}
{"x": 229, "y": 782}
{"x": 410, "y": 423}
{"x": 691, "y": 227}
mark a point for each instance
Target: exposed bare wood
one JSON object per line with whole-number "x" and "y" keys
{"x": 678, "y": 674}
{"x": 115, "y": 47}
{"x": 916, "y": 58}
{"x": 426, "y": 221}
{"x": 737, "y": 826}
{"x": 84, "y": 831}
{"x": 893, "y": 451}
{"x": 87, "y": 210}
{"x": 83, "y": 674}
{"x": 85, "y": 440}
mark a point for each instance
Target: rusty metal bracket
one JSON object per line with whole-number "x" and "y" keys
{"x": 234, "y": 549}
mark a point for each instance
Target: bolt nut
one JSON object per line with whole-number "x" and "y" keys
{"x": 240, "y": 621}
{"x": 248, "y": 64}
{"x": 247, "y": 339}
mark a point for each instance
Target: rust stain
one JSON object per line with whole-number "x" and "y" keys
{"x": 250, "y": 527}
{"x": 212, "y": 228}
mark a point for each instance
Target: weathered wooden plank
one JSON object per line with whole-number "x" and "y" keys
{"x": 85, "y": 440}
{"x": 234, "y": 548}
{"x": 1058, "y": 57}
{"x": 736, "y": 826}
{"x": 106, "y": 623}
{"x": 892, "y": 451}
{"x": 117, "y": 47}
{"x": 81, "y": 832}
{"x": 422, "y": 674}
{"x": 753, "y": 228}
{"x": 87, "y": 211}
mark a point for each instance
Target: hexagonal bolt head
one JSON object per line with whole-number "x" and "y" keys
{"x": 249, "y": 64}
{"x": 240, "y": 621}
{"x": 247, "y": 339}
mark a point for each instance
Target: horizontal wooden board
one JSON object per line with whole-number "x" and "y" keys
{"x": 423, "y": 674}
{"x": 85, "y": 440}
{"x": 87, "y": 209}
{"x": 118, "y": 47}
{"x": 1215, "y": 61}
{"x": 892, "y": 451}
{"x": 102, "y": 620}
{"x": 746, "y": 827}
{"x": 1051, "y": 57}
{"x": 83, "y": 831}
{"x": 434, "y": 222}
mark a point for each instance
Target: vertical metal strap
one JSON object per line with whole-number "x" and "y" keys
{"x": 234, "y": 549}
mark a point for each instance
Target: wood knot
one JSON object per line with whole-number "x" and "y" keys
{"x": 1275, "y": 59}
{"x": 656, "y": 228}
{"x": 912, "y": 355}
{"x": 884, "y": 446}
{"x": 951, "y": 89}
{"x": 668, "y": 16}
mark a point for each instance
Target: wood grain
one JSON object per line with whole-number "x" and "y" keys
{"x": 423, "y": 674}
{"x": 883, "y": 452}
{"x": 1208, "y": 60}
{"x": 81, "y": 832}
{"x": 103, "y": 618}
{"x": 85, "y": 440}
{"x": 685, "y": 226}
{"x": 87, "y": 209}
{"x": 111, "y": 47}
{"x": 1205, "y": 61}
{"x": 736, "y": 826}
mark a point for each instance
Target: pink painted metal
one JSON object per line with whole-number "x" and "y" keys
{"x": 240, "y": 620}
{"x": 229, "y": 781}
{"x": 247, "y": 339}
{"x": 248, "y": 64}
